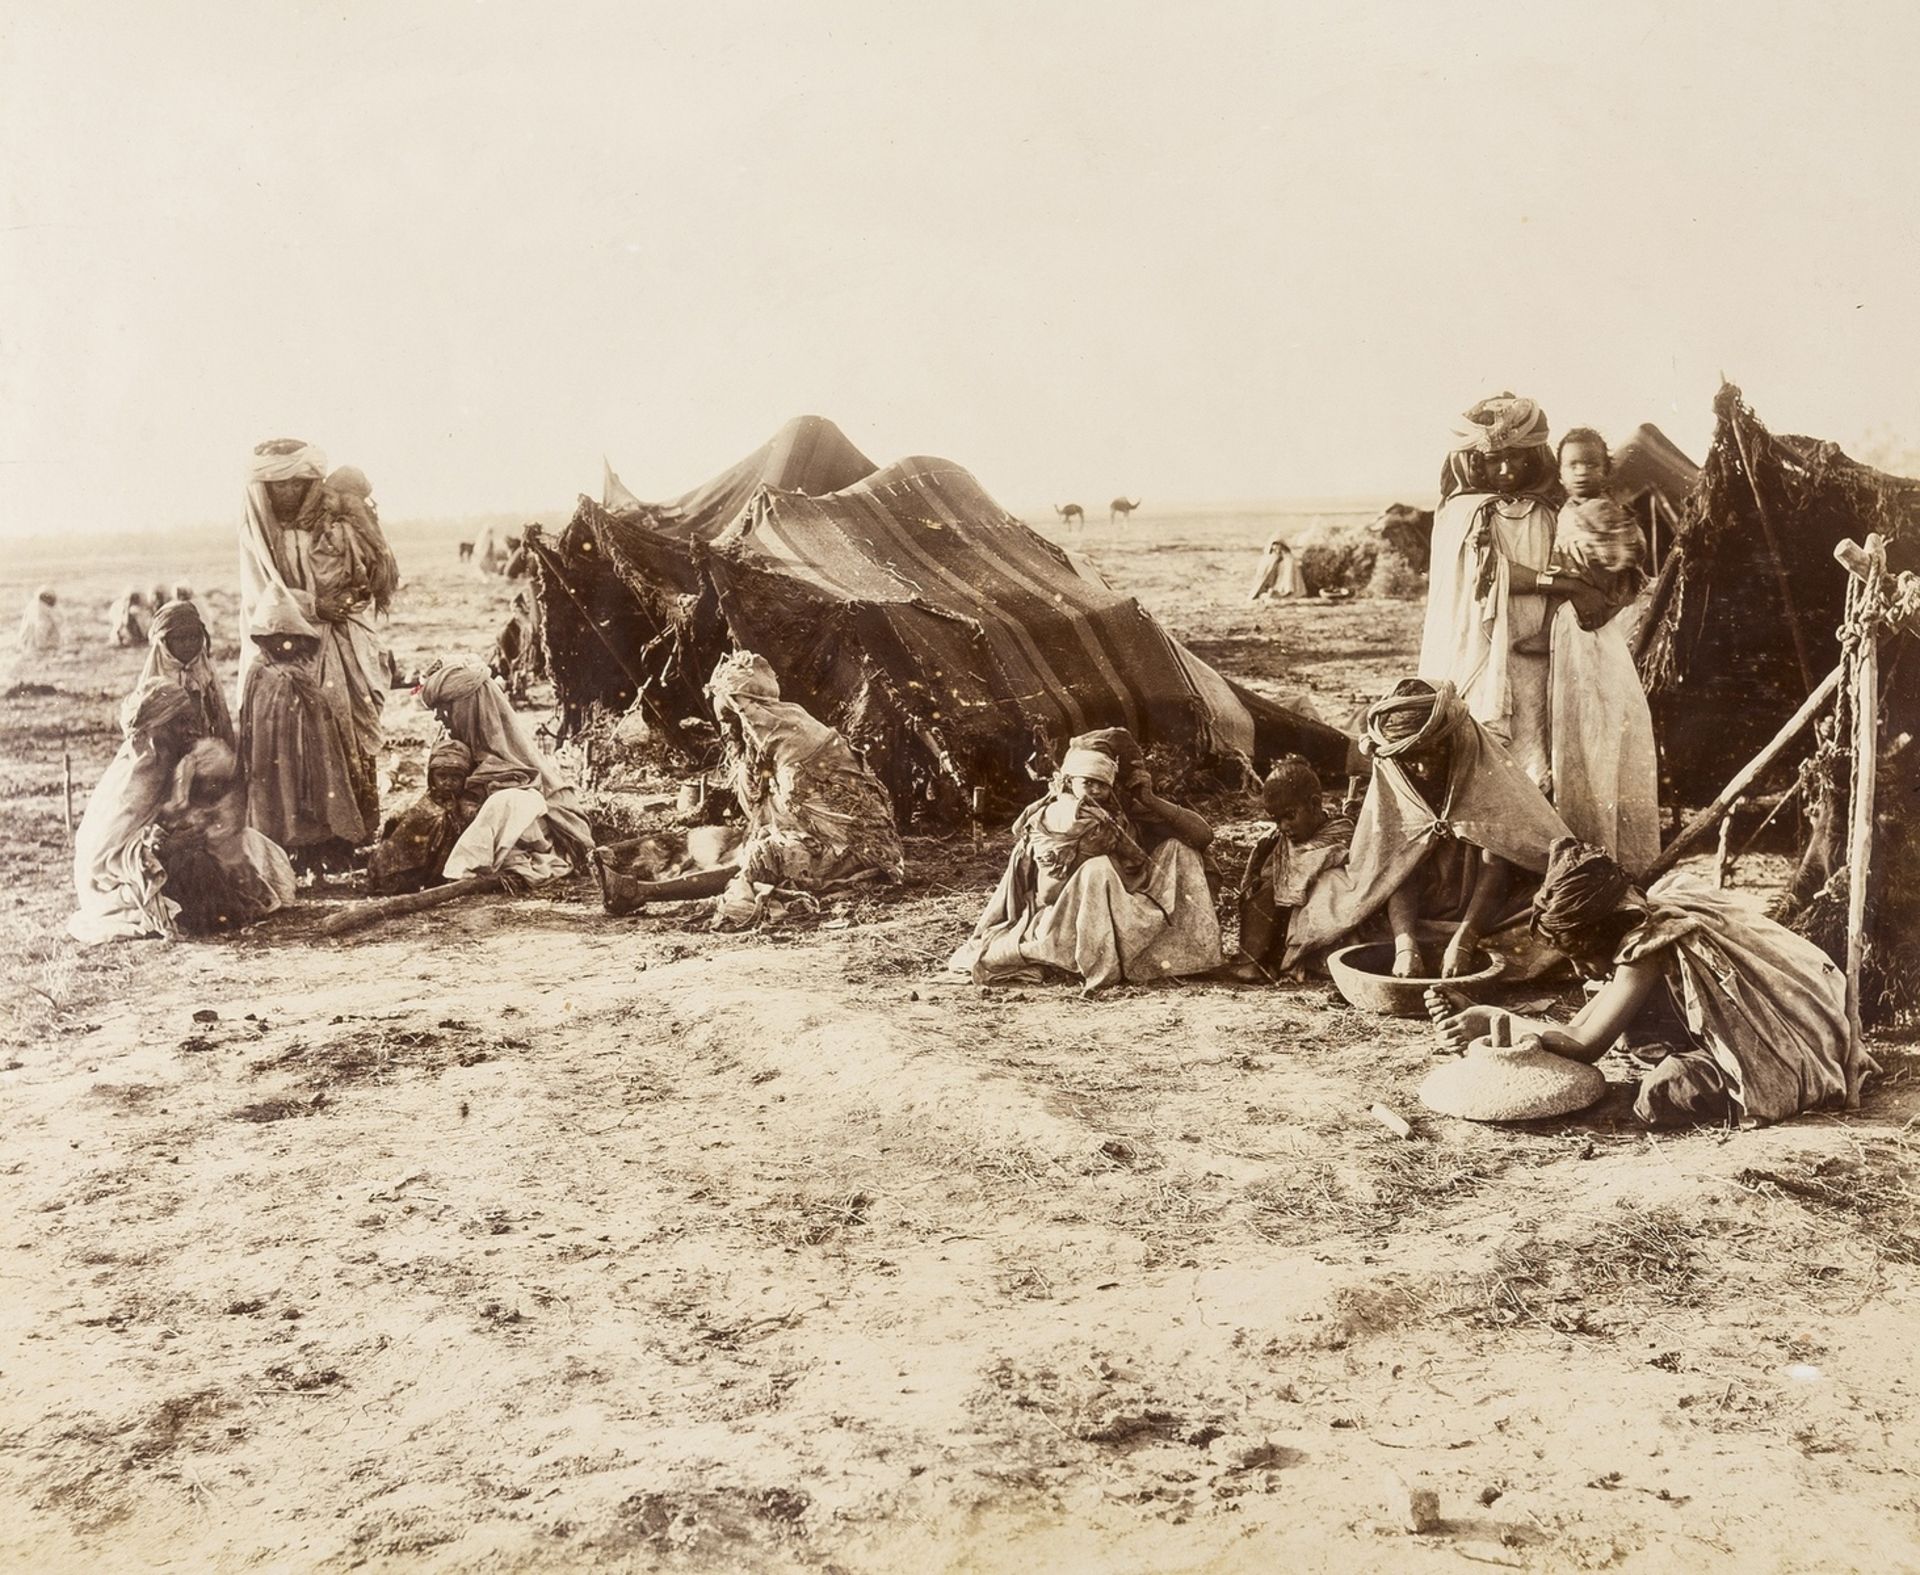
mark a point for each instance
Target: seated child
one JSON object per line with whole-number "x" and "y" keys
{"x": 1305, "y": 839}
{"x": 221, "y": 871}
{"x": 1599, "y": 554}
{"x": 413, "y": 846}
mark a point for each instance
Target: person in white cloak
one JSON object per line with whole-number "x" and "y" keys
{"x": 40, "y": 623}
{"x": 1278, "y": 576}
{"x": 298, "y": 535}
{"x": 1492, "y": 539}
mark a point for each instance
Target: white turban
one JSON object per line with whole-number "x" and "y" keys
{"x": 287, "y": 459}
{"x": 1090, "y": 763}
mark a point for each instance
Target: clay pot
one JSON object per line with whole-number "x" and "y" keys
{"x": 1362, "y": 974}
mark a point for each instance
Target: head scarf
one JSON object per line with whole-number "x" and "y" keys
{"x": 287, "y": 459}
{"x": 45, "y": 594}
{"x": 1412, "y": 715}
{"x": 1090, "y": 763}
{"x": 154, "y": 703}
{"x": 172, "y": 618}
{"x": 1582, "y": 886}
{"x": 741, "y": 675}
{"x": 1503, "y": 422}
{"x": 449, "y": 755}
{"x": 447, "y": 682}
{"x": 1114, "y": 741}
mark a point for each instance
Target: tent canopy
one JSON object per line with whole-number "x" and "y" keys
{"x": 1735, "y": 637}
{"x": 903, "y": 606}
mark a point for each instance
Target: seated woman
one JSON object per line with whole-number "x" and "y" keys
{"x": 222, "y": 872}
{"x": 1081, "y": 896}
{"x": 414, "y": 845}
{"x": 1735, "y": 1016}
{"x": 40, "y": 622}
{"x": 180, "y": 652}
{"x": 1451, "y": 830}
{"x": 527, "y": 823}
{"x": 816, "y": 817}
{"x": 1306, "y": 839}
{"x": 117, "y": 876}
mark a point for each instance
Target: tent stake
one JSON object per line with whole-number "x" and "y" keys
{"x": 1779, "y": 563}
{"x": 66, "y": 782}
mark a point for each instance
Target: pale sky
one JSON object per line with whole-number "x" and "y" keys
{"x": 1190, "y": 251}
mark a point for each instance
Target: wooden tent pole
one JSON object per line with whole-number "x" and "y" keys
{"x": 1744, "y": 777}
{"x": 361, "y": 914}
{"x": 1779, "y": 562}
{"x": 1866, "y": 762}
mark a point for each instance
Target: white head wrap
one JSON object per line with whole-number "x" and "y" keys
{"x": 286, "y": 459}
{"x": 1090, "y": 763}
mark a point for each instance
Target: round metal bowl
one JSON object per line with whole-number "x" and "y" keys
{"x": 1362, "y": 975}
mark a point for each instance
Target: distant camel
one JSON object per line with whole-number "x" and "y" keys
{"x": 1120, "y": 509}
{"x": 1073, "y": 514}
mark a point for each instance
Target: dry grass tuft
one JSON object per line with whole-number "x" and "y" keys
{"x": 1877, "y": 1192}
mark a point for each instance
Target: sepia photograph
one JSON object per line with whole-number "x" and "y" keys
{"x": 839, "y": 788}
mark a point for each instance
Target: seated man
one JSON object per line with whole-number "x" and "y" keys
{"x": 1451, "y": 830}
{"x": 816, "y": 817}
{"x": 1305, "y": 840}
{"x": 1083, "y": 896}
{"x": 1734, "y": 1016}
{"x": 414, "y": 845}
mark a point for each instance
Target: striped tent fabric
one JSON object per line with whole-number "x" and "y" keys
{"x": 954, "y": 646}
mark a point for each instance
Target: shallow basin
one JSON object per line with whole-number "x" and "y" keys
{"x": 1363, "y": 975}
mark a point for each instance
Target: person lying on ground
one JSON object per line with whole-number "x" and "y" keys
{"x": 179, "y": 651}
{"x": 816, "y": 818}
{"x": 1304, "y": 840}
{"x": 1734, "y": 1017}
{"x": 542, "y": 817}
{"x": 222, "y": 872}
{"x": 414, "y": 845}
{"x": 299, "y": 764}
{"x": 1451, "y": 830}
{"x": 1081, "y": 896}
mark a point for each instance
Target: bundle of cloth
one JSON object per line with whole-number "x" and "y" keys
{"x": 1444, "y": 797}
{"x": 169, "y": 811}
{"x": 1096, "y": 887}
{"x": 527, "y": 824}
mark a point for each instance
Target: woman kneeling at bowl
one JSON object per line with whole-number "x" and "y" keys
{"x": 1451, "y": 830}
{"x": 1735, "y": 1017}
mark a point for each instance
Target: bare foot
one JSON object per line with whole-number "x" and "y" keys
{"x": 1456, "y": 1020}
{"x": 1408, "y": 964}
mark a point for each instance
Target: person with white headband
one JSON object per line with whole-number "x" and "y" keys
{"x": 1082, "y": 897}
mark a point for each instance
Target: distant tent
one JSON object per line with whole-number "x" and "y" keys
{"x": 903, "y": 606}
{"x": 1654, "y": 479}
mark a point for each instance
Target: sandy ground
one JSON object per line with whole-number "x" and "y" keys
{"x": 520, "y": 1237}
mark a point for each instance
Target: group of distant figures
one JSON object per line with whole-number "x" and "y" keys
{"x": 1119, "y": 509}
{"x": 129, "y": 619}
{"x": 1511, "y": 798}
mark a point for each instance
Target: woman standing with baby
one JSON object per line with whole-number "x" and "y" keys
{"x": 1554, "y": 683}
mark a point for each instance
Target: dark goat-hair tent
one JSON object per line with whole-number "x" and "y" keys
{"x": 951, "y": 644}
{"x": 1654, "y": 480}
{"x": 1743, "y": 626}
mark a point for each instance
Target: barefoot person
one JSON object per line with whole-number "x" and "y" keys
{"x": 1451, "y": 830}
{"x": 1606, "y": 774}
{"x": 1735, "y": 1017}
{"x": 1082, "y": 897}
